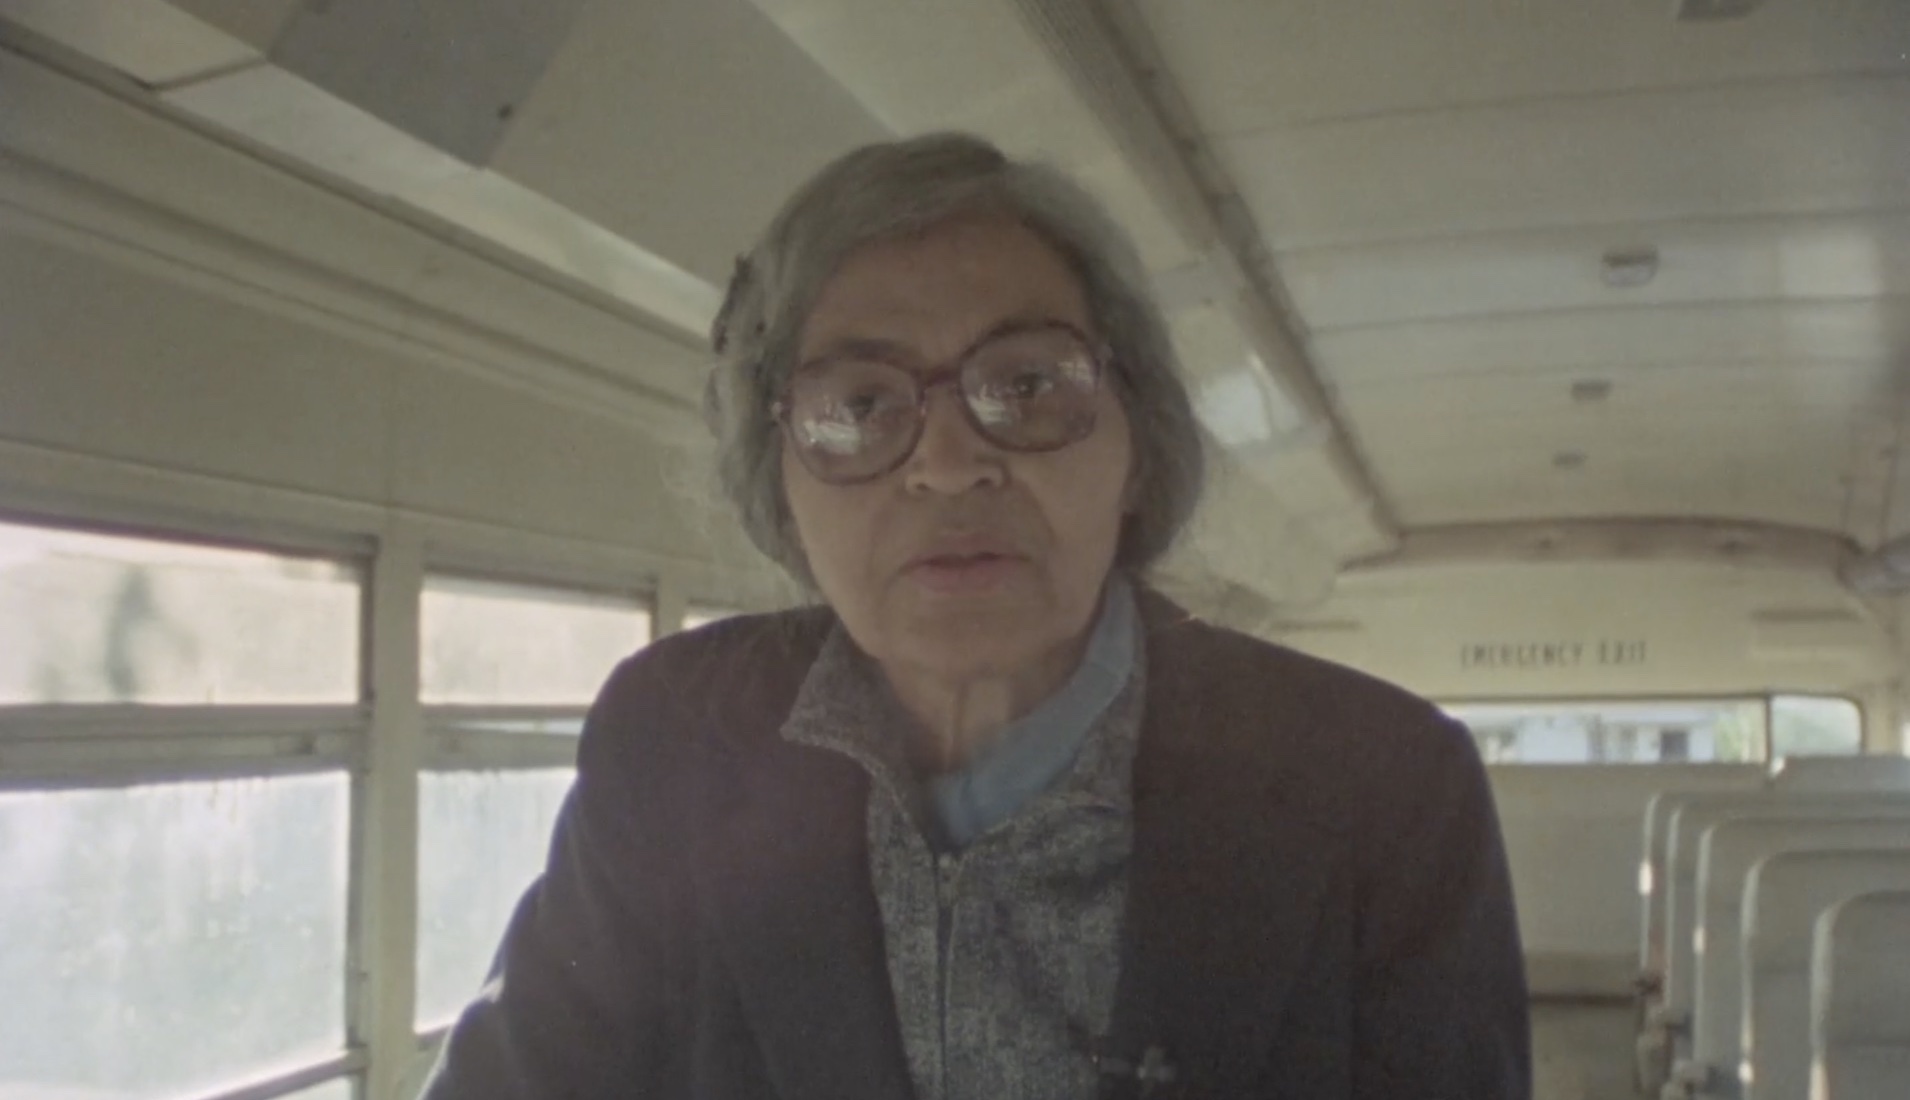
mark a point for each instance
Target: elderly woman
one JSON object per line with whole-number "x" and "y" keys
{"x": 994, "y": 820}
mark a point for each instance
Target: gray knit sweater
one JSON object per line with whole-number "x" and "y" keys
{"x": 1002, "y": 955}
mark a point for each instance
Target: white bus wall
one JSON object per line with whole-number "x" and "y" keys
{"x": 124, "y": 387}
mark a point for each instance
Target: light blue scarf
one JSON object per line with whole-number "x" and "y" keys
{"x": 1036, "y": 749}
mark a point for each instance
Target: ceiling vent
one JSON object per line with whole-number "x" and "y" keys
{"x": 1629, "y": 267}
{"x": 1712, "y": 11}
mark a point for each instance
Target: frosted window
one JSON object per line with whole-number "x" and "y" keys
{"x": 487, "y": 643}
{"x": 483, "y": 839}
{"x": 696, "y": 616}
{"x": 88, "y": 618}
{"x": 170, "y": 939}
{"x": 1805, "y": 725}
{"x": 1656, "y": 732}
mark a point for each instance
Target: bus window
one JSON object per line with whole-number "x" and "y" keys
{"x": 91, "y": 618}
{"x": 177, "y": 723}
{"x": 1616, "y": 732}
{"x": 171, "y": 939}
{"x": 488, "y": 643}
{"x": 482, "y": 839}
{"x": 1815, "y": 725}
{"x": 506, "y": 674}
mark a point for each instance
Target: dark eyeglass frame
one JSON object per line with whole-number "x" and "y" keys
{"x": 1100, "y": 363}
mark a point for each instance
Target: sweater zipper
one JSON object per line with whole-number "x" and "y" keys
{"x": 948, "y": 873}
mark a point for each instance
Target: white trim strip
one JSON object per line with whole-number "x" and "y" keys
{"x": 491, "y": 750}
{"x": 136, "y": 761}
{"x": 67, "y": 722}
{"x": 270, "y": 1089}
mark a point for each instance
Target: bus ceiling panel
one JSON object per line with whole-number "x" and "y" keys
{"x": 1755, "y": 398}
{"x": 977, "y": 66}
{"x": 1351, "y": 533}
{"x": 1727, "y": 452}
{"x": 1243, "y": 535}
{"x": 257, "y": 23}
{"x": 1524, "y": 483}
{"x": 1252, "y": 66}
{"x": 1756, "y": 459}
{"x": 1832, "y": 257}
{"x": 151, "y": 41}
{"x": 1814, "y": 147}
{"x": 1306, "y": 478}
{"x": 680, "y": 125}
{"x": 1611, "y": 390}
{"x": 1687, "y": 541}
{"x": 451, "y": 75}
{"x": 292, "y": 117}
{"x": 1569, "y": 343}
{"x": 137, "y": 183}
{"x": 1483, "y": 491}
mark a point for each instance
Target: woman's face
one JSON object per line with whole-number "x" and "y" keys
{"x": 968, "y": 560}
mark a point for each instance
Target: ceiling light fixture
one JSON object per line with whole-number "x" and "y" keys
{"x": 1629, "y": 267}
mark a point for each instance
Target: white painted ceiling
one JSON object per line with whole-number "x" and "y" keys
{"x": 1439, "y": 180}
{"x": 1432, "y": 185}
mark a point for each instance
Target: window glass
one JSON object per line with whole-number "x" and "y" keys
{"x": 483, "y": 838}
{"x": 1655, "y": 732}
{"x": 1812, "y": 725}
{"x": 170, "y": 939}
{"x": 703, "y": 615}
{"x": 487, "y": 643}
{"x": 88, "y": 618}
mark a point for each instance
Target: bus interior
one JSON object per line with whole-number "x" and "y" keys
{"x": 1553, "y": 357}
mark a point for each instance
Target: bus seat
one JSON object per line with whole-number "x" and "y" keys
{"x": 1848, "y": 774}
{"x": 1665, "y": 1032}
{"x": 1651, "y": 860}
{"x": 1860, "y": 999}
{"x": 1769, "y": 1031}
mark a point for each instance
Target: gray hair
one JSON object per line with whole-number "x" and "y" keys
{"x": 897, "y": 189}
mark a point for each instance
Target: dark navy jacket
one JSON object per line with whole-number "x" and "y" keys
{"x": 1318, "y": 901}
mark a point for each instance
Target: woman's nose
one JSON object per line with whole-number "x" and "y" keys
{"x": 952, "y": 457}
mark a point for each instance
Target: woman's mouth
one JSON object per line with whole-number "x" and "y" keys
{"x": 964, "y": 573}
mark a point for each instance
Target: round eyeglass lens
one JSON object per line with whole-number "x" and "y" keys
{"x": 850, "y": 418}
{"x": 1033, "y": 391}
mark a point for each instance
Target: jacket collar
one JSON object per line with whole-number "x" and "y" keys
{"x": 1225, "y": 885}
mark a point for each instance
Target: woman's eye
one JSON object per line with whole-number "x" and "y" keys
{"x": 1026, "y": 385}
{"x": 863, "y": 406}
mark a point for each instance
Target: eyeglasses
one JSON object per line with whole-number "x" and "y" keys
{"x": 854, "y": 417}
